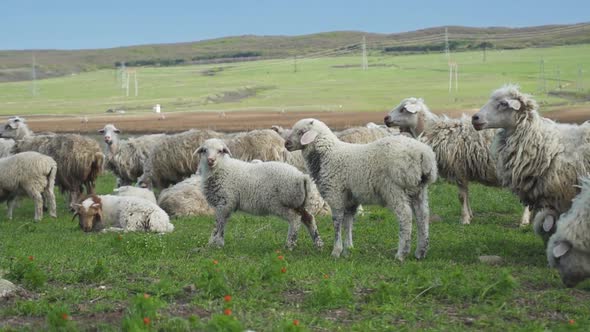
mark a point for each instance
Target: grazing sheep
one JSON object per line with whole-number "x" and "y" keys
{"x": 28, "y": 173}
{"x": 121, "y": 213}
{"x": 257, "y": 188}
{"x": 185, "y": 199}
{"x": 79, "y": 159}
{"x": 126, "y": 158}
{"x": 537, "y": 159}
{"x": 569, "y": 248}
{"x": 462, "y": 153}
{"x": 144, "y": 193}
{"x": 172, "y": 160}
{"x": 393, "y": 172}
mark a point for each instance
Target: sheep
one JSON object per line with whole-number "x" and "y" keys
{"x": 29, "y": 173}
{"x": 569, "y": 248}
{"x": 393, "y": 172}
{"x": 5, "y": 147}
{"x": 126, "y": 158}
{"x": 172, "y": 160}
{"x": 462, "y": 153}
{"x": 185, "y": 199}
{"x": 121, "y": 213}
{"x": 364, "y": 135}
{"x": 538, "y": 159}
{"x": 79, "y": 159}
{"x": 144, "y": 193}
{"x": 261, "y": 144}
{"x": 258, "y": 188}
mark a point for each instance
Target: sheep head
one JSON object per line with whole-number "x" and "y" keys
{"x": 110, "y": 133}
{"x": 14, "y": 128}
{"x": 573, "y": 264}
{"x": 505, "y": 109}
{"x": 408, "y": 115}
{"x": 89, "y": 213}
{"x": 211, "y": 152}
{"x": 305, "y": 132}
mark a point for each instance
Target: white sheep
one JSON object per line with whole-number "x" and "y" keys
{"x": 5, "y": 147}
{"x": 32, "y": 174}
{"x": 126, "y": 158}
{"x": 268, "y": 188}
{"x": 124, "y": 213}
{"x": 393, "y": 172}
{"x": 539, "y": 160}
{"x": 185, "y": 199}
{"x": 144, "y": 193}
{"x": 462, "y": 153}
{"x": 569, "y": 248}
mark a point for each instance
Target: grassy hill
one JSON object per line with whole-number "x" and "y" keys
{"x": 16, "y": 65}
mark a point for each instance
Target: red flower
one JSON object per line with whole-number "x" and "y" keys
{"x": 31, "y": 258}
{"x": 572, "y": 322}
{"x": 281, "y": 257}
{"x": 64, "y": 316}
{"x": 146, "y": 321}
{"x": 284, "y": 270}
{"x": 215, "y": 262}
{"x": 227, "y": 298}
{"x": 296, "y": 322}
{"x": 119, "y": 237}
{"x": 227, "y": 312}
{"x": 146, "y": 295}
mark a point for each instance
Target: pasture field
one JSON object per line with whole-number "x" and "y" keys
{"x": 174, "y": 282}
{"x": 320, "y": 84}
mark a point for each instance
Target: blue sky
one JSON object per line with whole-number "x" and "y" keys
{"x": 73, "y": 24}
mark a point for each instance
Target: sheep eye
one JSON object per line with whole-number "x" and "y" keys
{"x": 503, "y": 103}
{"x": 7, "y": 127}
{"x": 402, "y": 110}
{"x": 300, "y": 132}
{"x": 203, "y": 150}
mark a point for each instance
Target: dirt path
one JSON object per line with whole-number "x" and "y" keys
{"x": 236, "y": 121}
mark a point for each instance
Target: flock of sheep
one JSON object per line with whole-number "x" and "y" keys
{"x": 301, "y": 172}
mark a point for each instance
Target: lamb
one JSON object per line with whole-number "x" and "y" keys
{"x": 539, "y": 160}
{"x": 569, "y": 248}
{"x": 462, "y": 153}
{"x": 126, "y": 158}
{"x": 121, "y": 213}
{"x": 172, "y": 160}
{"x": 258, "y": 188}
{"x": 144, "y": 193}
{"x": 29, "y": 173}
{"x": 185, "y": 199}
{"x": 393, "y": 172}
{"x": 79, "y": 159}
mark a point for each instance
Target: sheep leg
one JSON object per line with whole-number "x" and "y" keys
{"x": 11, "y": 204}
{"x": 398, "y": 203}
{"x": 422, "y": 213}
{"x": 348, "y": 224}
{"x": 337, "y": 218}
{"x": 294, "y": 225}
{"x": 466, "y": 213}
{"x": 49, "y": 196}
{"x": 526, "y": 217}
{"x": 217, "y": 237}
{"x": 309, "y": 221}
{"x": 38, "y": 200}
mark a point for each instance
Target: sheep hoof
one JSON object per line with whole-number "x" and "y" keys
{"x": 336, "y": 252}
{"x": 319, "y": 245}
{"x": 420, "y": 254}
{"x": 465, "y": 221}
{"x": 216, "y": 243}
{"x": 400, "y": 257}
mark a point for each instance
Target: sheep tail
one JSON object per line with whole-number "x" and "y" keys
{"x": 306, "y": 217}
{"x": 96, "y": 168}
{"x": 429, "y": 169}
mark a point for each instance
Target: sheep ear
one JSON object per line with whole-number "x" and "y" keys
{"x": 117, "y": 131}
{"x": 548, "y": 223}
{"x": 276, "y": 128}
{"x": 412, "y": 108}
{"x": 561, "y": 248}
{"x": 198, "y": 151}
{"x": 95, "y": 205}
{"x": 308, "y": 137}
{"x": 514, "y": 104}
{"x": 101, "y": 131}
{"x": 14, "y": 125}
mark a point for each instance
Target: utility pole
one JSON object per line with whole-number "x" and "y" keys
{"x": 542, "y": 81}
{"x": 364, "y": 61}
{"x": 485, "y": 44}
{"x": 447, "y": 49}
{"x": 580, "y": 83}
{"x": 34, "y": 76}
{"x": 294, "y": 63}
{"x": 558, "y": 75}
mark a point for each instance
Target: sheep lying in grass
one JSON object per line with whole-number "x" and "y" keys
{"x": 393, "y": 172}
{"x": 268, "y": 188}
{"x": 79, "y": 159}
{"x": 28, "y": 173}
{"x": 462, "y": 153}
{"x": 539, "y": 160}
{"x": 569, "y": 248}
{"x": 185, "y": 199}
{"x": 121, "y": 213}
{"x": 126, "y": 158}
{"x": 144, "y": 193}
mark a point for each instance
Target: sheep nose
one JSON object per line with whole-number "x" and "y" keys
{"x": 475, "y": 117}
{"x": 387, "y": 119}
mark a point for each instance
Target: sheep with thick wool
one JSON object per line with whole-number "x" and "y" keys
{"x": 261, "y": 188}
{"x": 139, "y": 192}
{"x": 393, "y": 172}
{"x": 462, "y": 153}
{"x": 126, "y": 158}
{"x": 539, "y": 160}
{"x": 32, "y": 174}
{"x": 569, "y": 248}
{"x": 185, "y": 199}
{"x": 121, "y": 213}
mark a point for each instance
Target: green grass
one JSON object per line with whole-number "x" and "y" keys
{"x": 335, "y": 83}
{"x": 98, "y": 281}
